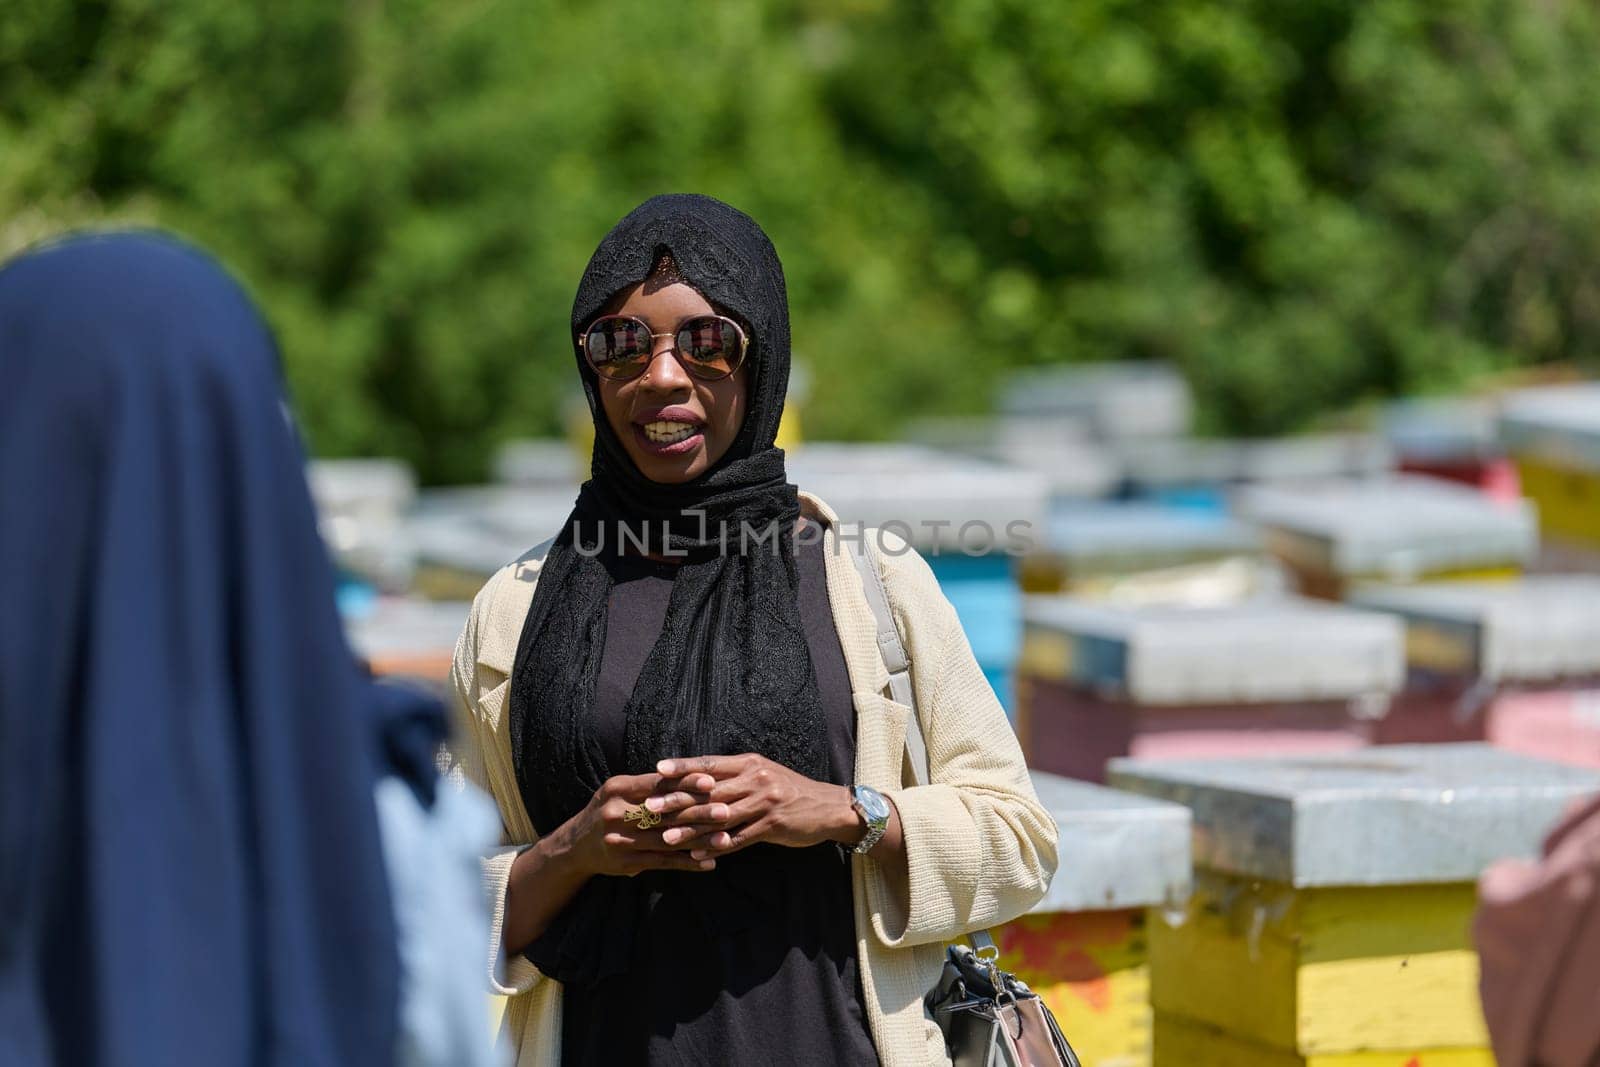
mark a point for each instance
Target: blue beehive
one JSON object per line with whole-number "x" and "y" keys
{"x": 984, "y": 592}
{"x": 1190, "y": 472}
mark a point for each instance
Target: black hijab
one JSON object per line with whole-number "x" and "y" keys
{"x": 190, "y": 868}
{"x": 731, "y": 672}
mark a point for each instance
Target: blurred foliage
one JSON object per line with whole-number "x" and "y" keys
{"x": 1300, "y": 204}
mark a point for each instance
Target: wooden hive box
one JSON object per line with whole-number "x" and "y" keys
{"x": 1516, "y": 661}
{"x": 1098, "y": 681}
{"x": 1553, "y": 434}
{"x": 462, "y": 536}
{"x": 1453, "y": 438}
{"x": 1330, "y": 922}
{"x": 1200, "y": 472}
{"x": 1333, "y": 535}
{"x": 1128, "y": 399}
{"x": 1083, "y": 949}
{"x": 1105, "y": 550}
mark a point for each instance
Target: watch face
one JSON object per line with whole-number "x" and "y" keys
{"x": 872, "y": 803}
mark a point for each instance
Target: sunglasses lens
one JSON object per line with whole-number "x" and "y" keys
{"x": 617, "y": 348}
{"x": 709, "y": 346}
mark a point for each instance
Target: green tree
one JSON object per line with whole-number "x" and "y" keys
{"x": 1300, "y": 204}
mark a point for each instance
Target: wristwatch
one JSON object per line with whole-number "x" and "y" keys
{"x": 874, "y": 811}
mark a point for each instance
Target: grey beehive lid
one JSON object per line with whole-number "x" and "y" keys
{"x": 361, "y": 507}
{"x": 1395, "y": 528}
{"x": 540, "y": 462}
{"x": 1560, "y": 423}
{"x": 478, "y": 530}
{"x": 1538, "y": 627}
{"x": 1442, "y": 429}
{"x": 1098, "y": 537}
{"x": 1256, "y": 652}
{"x": 339, "y": 484}
{"x": 1142, "y": 398}
{"x": 1118, "y": 849}
{"x": 1394, "y": 815}
{"x": 923, "y": 495}
{"x": 1061, "y": 449}
{"x": 1299, "y": 458}
{"x": 1158, "y": 464}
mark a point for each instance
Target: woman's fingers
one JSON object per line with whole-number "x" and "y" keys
{"x": 671, "y": 861}
{"x": 704, "y": 812}
{"x": 695, "y": 782}
{"x": 718, "y": 767}
{"x": 641, "y": 788}
{"x": 746, "y": 809}
{"x": 667, "y": 803}
{"x": 682, "y": 836}
{"x": 672, "y": 838}
{"x": 672, "y": 794}
{"x": 629, "y": 787}
{"x": 747, "y": 821}
{"x": 726, "y": 842}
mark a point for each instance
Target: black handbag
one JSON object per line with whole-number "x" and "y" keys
{"x": 990, "y": 1018}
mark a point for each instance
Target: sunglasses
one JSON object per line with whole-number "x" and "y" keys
{"x": 621, "y": 347}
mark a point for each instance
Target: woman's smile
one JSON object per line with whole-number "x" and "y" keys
{"x": 669, "y": 431}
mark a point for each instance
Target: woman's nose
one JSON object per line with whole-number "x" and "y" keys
{"x": 665, "y": 374}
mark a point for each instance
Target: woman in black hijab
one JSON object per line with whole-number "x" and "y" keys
{"x": 682, "y": 461}
{"x": 664, "y": 700}
{"x": 190, "y": 870}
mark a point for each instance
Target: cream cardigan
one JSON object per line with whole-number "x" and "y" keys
{"x": 979, "y": 846}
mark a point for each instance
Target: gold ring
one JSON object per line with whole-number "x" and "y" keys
{"x": 641, "y": 815}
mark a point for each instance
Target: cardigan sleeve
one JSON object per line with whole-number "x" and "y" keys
{"x": 980, "y": 848}
{"x": 508, "y": 975}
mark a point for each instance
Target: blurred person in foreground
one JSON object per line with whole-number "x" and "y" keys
{"x": 710, "y": 853}
{"x": 1538, "y": 937}
{"x": 191, "y": 869}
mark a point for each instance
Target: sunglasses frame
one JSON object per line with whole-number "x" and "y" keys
{"x": 687, "y": 365}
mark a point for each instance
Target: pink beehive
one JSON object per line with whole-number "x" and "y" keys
{"x": 1520, "y": 658}
{"x": 1269, "y": 677}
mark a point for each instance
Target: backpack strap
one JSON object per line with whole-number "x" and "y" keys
{"x": 892, "y": 650}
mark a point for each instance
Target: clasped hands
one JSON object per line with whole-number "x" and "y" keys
{"x": 708, "y": 807}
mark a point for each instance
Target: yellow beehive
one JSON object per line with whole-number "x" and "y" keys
{"x": 1553, "y": 435}
{"x": 1331, "y": 917}
{"x": 1193, "y": 1045}
{"x": 1323, "y": 970}
{"x": 1568, "y": 498}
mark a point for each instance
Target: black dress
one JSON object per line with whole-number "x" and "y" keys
{"x": 759, "y": 969}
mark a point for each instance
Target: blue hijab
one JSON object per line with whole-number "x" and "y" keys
{"x": 190, "y": 870}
